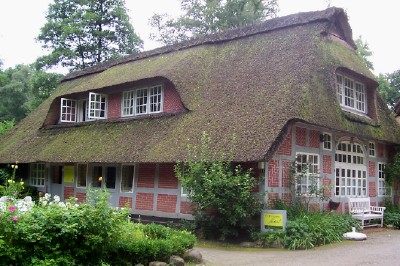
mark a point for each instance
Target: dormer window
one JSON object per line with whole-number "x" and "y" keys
{"x": 142, "y": 101}
{"x": 73, "y": 110}
{"x": 351, "y": 94}
{"x": 68, "y": 110}
{"x": 97, "y": 106}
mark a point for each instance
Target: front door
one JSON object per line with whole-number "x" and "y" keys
{"x": 56, "y": 186}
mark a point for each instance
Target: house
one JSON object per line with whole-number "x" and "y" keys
{"x": 290, "y": 88}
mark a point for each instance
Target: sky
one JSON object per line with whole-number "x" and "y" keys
{"x": 376, "y": 21}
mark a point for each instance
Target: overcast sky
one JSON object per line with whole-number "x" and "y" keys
{"x": 376, "y": 21}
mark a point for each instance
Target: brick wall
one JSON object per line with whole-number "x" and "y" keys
{"x": 114, "y": 105}
{"x": 301, "y": 136}
{"x": 372, "y": 168}
{"x": 166, "y": 177}
{"x": 327, "y": 164}
{"x": 326, "y": 182}
{"x": 68, "y": 192}
{"x": 144, "y": 201}
{"x": 81, "y": 196}
{"x": 287, "y": 198}
{"x": 272, "y": 197}
{"x": 273, "y": 173}
{"x": 381, "y": 150}
{"x": 286, "y": 174}
{"x": 186, "y": 207}
{"x": 166, "y": 203}
{"x": 314, "y": 139}
{"x": 286, "y": 146}
{"x": 372, "y": 189}
{"x": 124, "y": 202}
{"x": 172, "y": 100}
{"x": 146, "y": 175}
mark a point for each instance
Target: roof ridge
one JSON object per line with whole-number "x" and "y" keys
{"x": 227, "y": 35}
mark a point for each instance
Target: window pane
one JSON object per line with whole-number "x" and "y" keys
{"x": 82, "y": 170}
{"x": 155, "y": 99}
{"x": 141, "y": 101}
{"x": 97, "y": 176}
{"x": 127, "y": 178}
{"x": 97, "y": 105}
{"x": 111, "y": 177}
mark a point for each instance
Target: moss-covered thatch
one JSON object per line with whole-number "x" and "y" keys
{"x": 250, "y": 82}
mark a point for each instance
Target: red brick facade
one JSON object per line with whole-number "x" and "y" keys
{"x": 372, "y": 189}
{"x": 68, "y": 192}
{"x": 327, "y": 187}
{"x": 273, "y": 173}
{"x": 186, "y": 207}
{"x": 125, "y": 202}
{"x": 146, "y": 176}
{"x": 314, "y": 139}
{"x": 301, "y": 136}
{"x": 286, "y": 173}
{"x": 114, "y": 105}
{"x": 166, "y": 203}
{"x": 172, "y": 100}
{"x": 272, "y": 197}
{"x": 381, "y": 150}
{"x": 167, "y": 178}
{"x": 372, "y": 168}
{"x": 286, "y": 146}
{"x": 81, "y": 196}
{"x": 144, "y": 201}
{"x": 327, "y": 164}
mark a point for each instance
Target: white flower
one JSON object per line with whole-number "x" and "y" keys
{"x": 47, "y": 196}
{"x": 57, "y": 198}
{"x": 61, "y": 204}
{"x": 2, "y": 206}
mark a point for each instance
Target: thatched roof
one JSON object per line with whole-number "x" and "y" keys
{"x": 250, "y": 82}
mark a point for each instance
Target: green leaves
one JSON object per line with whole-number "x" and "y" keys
{"x": 219, "y": 187}
{"x": 205, "y": 17}
{"x": 82, "y": 33}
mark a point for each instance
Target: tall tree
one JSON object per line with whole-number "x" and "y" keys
{"x": 210, "y": 16}
{"x": 364, "y": 52}
{"x": 389, "y": 87}
{"x": 22, "y": 89}
{"x": 83, "y": 33}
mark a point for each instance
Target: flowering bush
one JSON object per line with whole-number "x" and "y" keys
{"x": 57, "y": 233}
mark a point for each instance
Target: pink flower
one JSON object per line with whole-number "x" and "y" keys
{"x": 15, "y": 218}
{"x": 11, "y": 208}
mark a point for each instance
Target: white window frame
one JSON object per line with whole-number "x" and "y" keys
{"x": 37, "y": 174}
{"x": 372, "y": 149}
{"x": 383, "y": 188}
{"x": 97, "y": 107}
{"x": 122, "y": 178}
{"x": 142, "y": 101}
{"x": 327, "y": 144}
{"x": 351, "y": 94}
{"x": 350, "y": 170}
{"x": 69, "y": 109}
{"x": 308, "y": 172}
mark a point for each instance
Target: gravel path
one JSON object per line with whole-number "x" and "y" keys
{"x": 382, "y": 247}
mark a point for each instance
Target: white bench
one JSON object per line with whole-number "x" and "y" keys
{"x": 361, "y": 209}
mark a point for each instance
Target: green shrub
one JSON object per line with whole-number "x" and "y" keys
{"x": 223, "y": 194}
{"x": 156, "y": 242}
{"x": 92, "y": 233}
{"x": 317, "y": 229}
{"x": 392, "y": 218}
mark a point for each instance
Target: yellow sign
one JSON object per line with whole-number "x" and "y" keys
{"x": 69, "y": 174}
{"x": 273, "y": 219}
